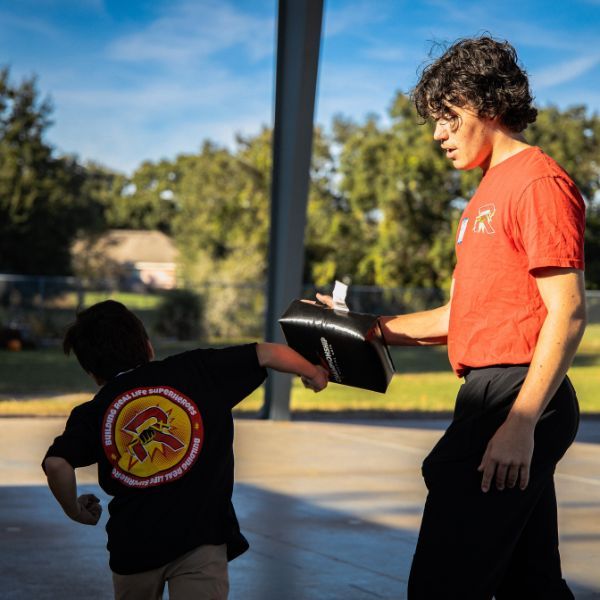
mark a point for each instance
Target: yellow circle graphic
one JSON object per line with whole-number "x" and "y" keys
{"x": 151, "y": 436}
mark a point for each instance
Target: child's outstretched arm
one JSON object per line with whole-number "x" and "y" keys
{"x": 283, "y": 358}
{"x": 62, "y": 483}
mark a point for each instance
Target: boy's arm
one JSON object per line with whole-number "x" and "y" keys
{"x": 62, "y": 483}
{"x": 283, "y": 358}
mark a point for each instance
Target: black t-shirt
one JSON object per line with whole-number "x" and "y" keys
{"x": 162, "y": 436}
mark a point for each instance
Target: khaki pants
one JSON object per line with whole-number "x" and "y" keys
{"x": 199, "y": 575}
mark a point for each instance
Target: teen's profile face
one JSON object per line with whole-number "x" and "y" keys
{"x": 466, "y": 138}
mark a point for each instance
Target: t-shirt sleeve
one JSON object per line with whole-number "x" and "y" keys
{"x": 551, "y": 224}
{"x": 235, "y": 370}
{"x": 78, "y": 443}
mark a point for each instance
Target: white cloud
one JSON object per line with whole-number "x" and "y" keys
{"x": 96, "y": 5}
{"x": 194, "y": 31}
{"x": 131, "y": 111}
{"x": 356, "y": 91}
{"x": 473, "y": 17}
{"x": 386, "y": 53}
{"x": 213, "y": 90}
{"x": 197, "y": 70}
{"x": 124, "y": 148}
{"x": 124, "y": 127}
{"x": 352, "y": 18}
{"x": 29, "y": 24}
{"x": 564, "y": 72}
{"x": 532, "y": 35}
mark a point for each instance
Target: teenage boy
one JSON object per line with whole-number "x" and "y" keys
{"x": 513, "y": 323}
{"x": 161, "y": 433}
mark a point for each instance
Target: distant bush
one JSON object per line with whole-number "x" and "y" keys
{"x": 180, "y": 315}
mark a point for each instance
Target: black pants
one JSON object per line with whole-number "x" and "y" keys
{"x": 503, "y": 544}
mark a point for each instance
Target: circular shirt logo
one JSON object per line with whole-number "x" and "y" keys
{"x": 151, "y": 436}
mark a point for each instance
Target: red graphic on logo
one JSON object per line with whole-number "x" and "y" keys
{"x": 151, "y": 436}
{"x": 150, "y": 433}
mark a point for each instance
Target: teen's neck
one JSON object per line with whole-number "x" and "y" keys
{"x": 505, "y": 145}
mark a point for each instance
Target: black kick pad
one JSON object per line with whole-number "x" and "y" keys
{"x": 349, "y": 345}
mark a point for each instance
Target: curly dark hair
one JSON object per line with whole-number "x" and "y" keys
{"x": 107, "y": 338}
{"x": 479, "y": 73}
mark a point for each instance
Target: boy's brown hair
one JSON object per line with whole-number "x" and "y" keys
{"x": 107, "y": 338}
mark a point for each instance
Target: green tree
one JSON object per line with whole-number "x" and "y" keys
{"x": 402, "y": 188}
{"x": 592, "y": 249}
{"x": 406, "y": 197}
{"x": 222, "y": 207}
{"x": 221, "y": 230}
{"x": 146, "y": 200}
{"x": 572, "y": 137}
{"x": 334, "y": 232}
{"x": 43, "y": 202}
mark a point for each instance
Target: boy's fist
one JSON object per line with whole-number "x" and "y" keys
{"x": 318, "y": 381}
{"x": 89, "y": 509}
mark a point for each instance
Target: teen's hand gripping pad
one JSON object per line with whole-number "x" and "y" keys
{"x": 349, "y": 345}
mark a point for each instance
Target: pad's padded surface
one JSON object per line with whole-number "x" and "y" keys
{"x": 350, "y": 345}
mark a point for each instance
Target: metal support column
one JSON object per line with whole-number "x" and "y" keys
{"x": 298, "y": 41}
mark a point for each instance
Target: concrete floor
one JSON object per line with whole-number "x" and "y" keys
{"x": 331, "y": 510}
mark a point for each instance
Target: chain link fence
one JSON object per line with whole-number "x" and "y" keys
{"x": 38, "y": 309}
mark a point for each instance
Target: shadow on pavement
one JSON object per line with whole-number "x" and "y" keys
{"x": 299, "y": 551}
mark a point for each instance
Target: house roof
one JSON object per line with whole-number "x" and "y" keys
{"x": 132, "y": 246}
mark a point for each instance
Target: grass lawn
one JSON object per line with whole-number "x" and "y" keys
{"x": 132, "y": 300}
{"x": 44, "y": 382}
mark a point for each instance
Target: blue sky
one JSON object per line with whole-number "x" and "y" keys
{"x": 149, "y": 79}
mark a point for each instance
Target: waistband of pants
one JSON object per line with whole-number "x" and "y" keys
{"x": 488, "y": 371}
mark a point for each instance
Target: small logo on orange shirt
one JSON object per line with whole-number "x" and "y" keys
{"x": 483, "y": 221}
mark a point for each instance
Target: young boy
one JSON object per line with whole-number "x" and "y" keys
{"x": 161, "y": 433}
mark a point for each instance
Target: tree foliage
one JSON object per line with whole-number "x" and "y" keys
{"x": 222, "y": 205}
{"x": 44, "y": 200}
{"x": 334, "y": 232}
{"x": 221, "y": 230}
{"x": 402, "y": 188}
{"x": 572, "y": 138}
{"x": 146, "y": 199}
{"x": 383, "y": 200}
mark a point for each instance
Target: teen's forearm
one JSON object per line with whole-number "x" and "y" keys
{"x": 282, "y": 358}
{"x": 427, "y": 328}
{"x": 63, "y": 484}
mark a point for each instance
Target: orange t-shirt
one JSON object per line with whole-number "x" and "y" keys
{"x": 526, "y": 213}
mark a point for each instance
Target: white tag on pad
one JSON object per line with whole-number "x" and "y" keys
{"x": 339, "y": 296}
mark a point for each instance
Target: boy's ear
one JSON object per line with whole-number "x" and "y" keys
{"x": 151, "y": 354}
